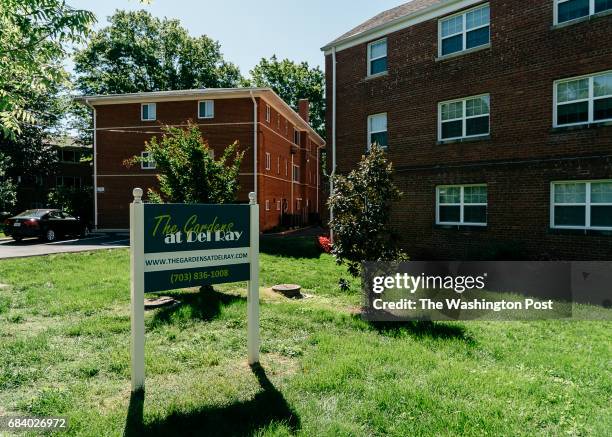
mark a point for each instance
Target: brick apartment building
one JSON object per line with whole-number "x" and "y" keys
{"x": 285, "y": 174}
{"x": 497, "y": 117}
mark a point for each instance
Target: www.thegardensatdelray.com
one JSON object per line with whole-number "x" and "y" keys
{"x": 461, "y": 304}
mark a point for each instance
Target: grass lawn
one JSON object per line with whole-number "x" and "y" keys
{"x": 64, "y": 350}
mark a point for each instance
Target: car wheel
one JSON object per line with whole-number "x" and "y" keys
{"x": 17, "y": 239}
{"x": 50, "y": 235}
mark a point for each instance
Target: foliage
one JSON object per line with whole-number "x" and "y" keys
{"x": 294, "y": 81}
{"x": 33, "y": 39}
{"x": 187, "y": 170}
{"x": 8, "y": 189}
{"x": 361, "y": 202}
{"x": 77, "y": 201}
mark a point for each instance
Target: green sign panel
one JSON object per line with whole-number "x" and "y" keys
{"x": 194, "y": 245}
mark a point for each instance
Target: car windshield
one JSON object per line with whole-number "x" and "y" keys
{"x": 33, "y": 213}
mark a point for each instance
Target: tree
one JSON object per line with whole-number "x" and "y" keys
{"x": 77, "y": 201}
{"x": 361, "y": 202}
{"x": 292, "y": 82}
{"x": 188, "y": 172}
{"x": 8, "y": 189}
{"x": 137, "y": 52}
{"x": 33, "y": 39}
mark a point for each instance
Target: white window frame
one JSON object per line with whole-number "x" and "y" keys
{"x": 370, "y": 131}
{"x": 204, "y": 116}
{"x": 464, "y": 118}
{"x": 591, "y": 12}
{"x": 590, "y": 99}
{"x": 464, "y": 32}
{"x": 587, "y": 205}
{"x": 150, "y": 105}
{"x": 371, "y": 59}
{"x": 461, "y": 206}
{"x": 267, "y": 204}
{"x": 296, "y": 168}
{"x": 278, "y": 205}
{"x": 149, "y": 164}
{"x": 268, "y": 113}
{"x": 268, "y": 160}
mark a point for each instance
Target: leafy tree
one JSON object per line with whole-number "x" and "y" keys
{"x": 361, "y": 203}
{"x": 188, "y": 172}
{"x": 8, "y": 189}
{"x": 137, "y": 52}
{"x": 294, "y": 81}
{"x": 77, "y": 201}
{"x": 33, "y": 39}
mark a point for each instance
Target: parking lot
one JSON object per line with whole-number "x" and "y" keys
{"x": 35, "y": 247}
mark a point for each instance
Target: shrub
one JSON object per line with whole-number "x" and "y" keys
{"x": 324, "y": 244}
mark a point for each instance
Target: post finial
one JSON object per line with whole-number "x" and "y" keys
{"x": 137, "y": 192}
{"x": 252, "y": 198}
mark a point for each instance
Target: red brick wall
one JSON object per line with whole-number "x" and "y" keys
{"x": 526, "y": 56}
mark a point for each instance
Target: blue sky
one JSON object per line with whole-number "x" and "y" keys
{"x": 251, "y": 29}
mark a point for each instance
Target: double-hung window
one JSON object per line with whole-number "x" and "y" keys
{"x": 377, "y": 57}
{"x": 464, "y": 31}
{"x": 296, "y": 173}
{"x": 148, "y": 112}
{"x": 581, "y": 205}
{"x": 206, "y": 109}
{"x": 147, "y": 162}
{"x": 296, "y": 137}
{"x": 568, "y": 10}
{"x": 377, "y": 130}
{"x": 583, "y": 100}
{"x": 464, "y": 118}
{"x": 461, "y": 205}
{"x": 268, "y": 113}
{"x": 268, "y": 160}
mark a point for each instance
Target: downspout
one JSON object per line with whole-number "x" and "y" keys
{"x": 95, "y": 162}
{"x": 255, "y": 146}
{"x": 333, "y": 172}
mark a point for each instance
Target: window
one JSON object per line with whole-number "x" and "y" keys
{"x": 286, "y": 167}
{"x": 583, "y": 100}
{"x": 147, "y": 162}
{"x": 268, "y": 113}
{"x": 68, "y": 181}
{"x": 463, "y": 118}
{"x": 267, "y": 205}
{"x": 296, "y": 173}
{"x": 581, "y": 205}
{"x": 568, "y": 10}
{"x": 461, "y": 205}
{"x": 206, "y": 109}
{"x": 278, "y": 165}
{"x": 278, "y": 121}
{"x": 39, "y": 180}
{"x": 377, "y": 57}
{"x": 286, "y": 127}
{"x": 148, "y": 111}
{"x": 268, "y": 159}
{"x": 296, "y": 137}
{"x": 377, "y": 130}
{"x": 464, "y": 31}
{"x": 278, "y": 205}
{"x": 68, "y": 156}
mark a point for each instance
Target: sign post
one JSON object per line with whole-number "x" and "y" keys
{"x": 182, "y": 245}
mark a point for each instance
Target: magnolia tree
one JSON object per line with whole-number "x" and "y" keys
{"x": 188, "y": 171}
{"x": 361, "y": 203}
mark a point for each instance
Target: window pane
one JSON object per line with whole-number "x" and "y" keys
{"x": 451, "y": 111}
{"x": 379, "y": 138}
{"x": 570, "y": 215}
{"x": 378, "y": 66}
{"x": 603, "y": 84}
{"x": 572, "y": 9}
{"x": 476, "y": 18}
{"x": 452, "y": 26}
{"x": 145, "y": 112}
{"x": 601, "y": 216}
{"x": 450, "y": 214}
{"x": 475, "y": 194}
{"x": 570, "y": 193}
{"x": 452, "y": 129}
{"x": 601, "y": 192}
{"x": 378, "y": 123}
{"x": 573, "y": 113}
{"x": 477, "y": 126}
{"x": 573, "y": 90}
{"x": 475, "y": 214}
{"x": 477, "y": 106}
{"x": 452, "y": 44}
{"x": 449, "y": 195}
{"x": 477, "y": 37}
{"x": 378, "y": 49}
{"x": 603, "y": 109}
{"x": 602, "y": 5}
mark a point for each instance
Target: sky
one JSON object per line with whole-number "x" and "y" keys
{"x": 251, "y": 29}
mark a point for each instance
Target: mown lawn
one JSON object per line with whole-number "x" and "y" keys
{"x": 64, "y": 350}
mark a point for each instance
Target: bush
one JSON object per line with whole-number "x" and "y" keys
{"x": 324, "y": 244}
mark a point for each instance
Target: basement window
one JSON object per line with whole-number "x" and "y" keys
{"x": 569, "y": 10}
{"x": 148, "y": 111}
{"x": 463, "y": 205}
{"x": 581, "y": 205}
{"x": 464, "y": 31}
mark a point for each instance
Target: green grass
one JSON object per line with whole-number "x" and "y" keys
{"x": 64, "y": 350}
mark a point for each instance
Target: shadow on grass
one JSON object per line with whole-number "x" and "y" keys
{"x": 237, "y": 419}
{"x": 203, "y": 305}
{"x": 425, "y": 329}
{"x": 292, "y": 247}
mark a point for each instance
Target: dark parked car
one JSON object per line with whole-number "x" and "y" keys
{"x": 48, "y": 224}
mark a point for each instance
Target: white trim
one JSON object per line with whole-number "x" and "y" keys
{"x": 370, "y": 59}
{"x": 267, "y": 113}
{"x": 151, "y": 164}
{"x": 370, "y": 131}
{"x": 150, "y": 105}
{"x": 590, "y": 14}
{"x": 464, "y": 30}
{"x": 268, "y": 161}
{"x": 206, "y": 117}
{"x": 461, "y": 205}
{"x": 464, "y": 117}
{"x": 590, "y": 99}
{"x": 587, "y": 204}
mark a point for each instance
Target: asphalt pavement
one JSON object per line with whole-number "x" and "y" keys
{"x": 35, "y": 247}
